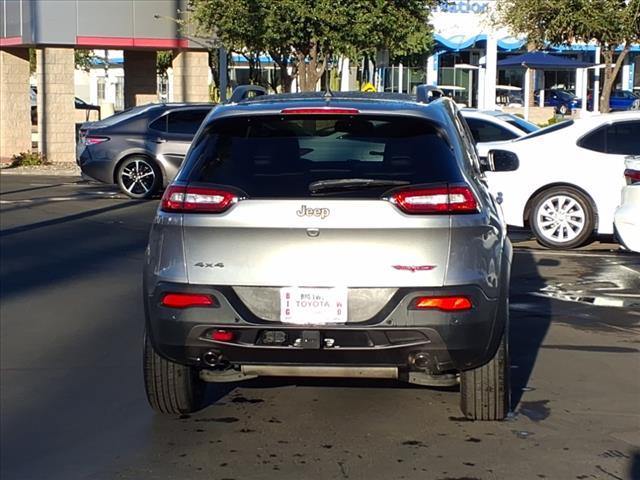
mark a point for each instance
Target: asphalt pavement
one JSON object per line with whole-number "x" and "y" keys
{"x": 72, "y": 403}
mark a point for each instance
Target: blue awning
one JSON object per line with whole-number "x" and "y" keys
{"x": 542, "y": 61}
{"x": 459, "y": 42}
{"x": 511, "y": 43}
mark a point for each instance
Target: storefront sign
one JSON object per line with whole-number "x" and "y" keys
{"x": 465, "y": 7}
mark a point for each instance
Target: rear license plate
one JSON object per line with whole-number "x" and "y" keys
{"x": 313, "y": 306}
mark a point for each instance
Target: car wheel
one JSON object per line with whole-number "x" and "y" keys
{"x": 485, "y": 391}
{"x": 562, "y": 218}
{"x": 139, "y": 177}
{"x": 171, "y": 387}
{"x": 563, "y": 110}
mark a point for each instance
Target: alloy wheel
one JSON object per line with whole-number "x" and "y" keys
{"x": 137, "y": 177}
{"x": 561, "y": 218}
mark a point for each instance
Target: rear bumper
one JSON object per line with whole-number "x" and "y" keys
{"x": 627, "y": 226}
{"x": 452, "y": 341}
{"x": 100, "y": 169}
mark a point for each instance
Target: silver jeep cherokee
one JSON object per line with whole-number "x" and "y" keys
{"x": 342, "y": 235}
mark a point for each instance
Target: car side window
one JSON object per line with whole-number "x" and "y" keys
{"x": 159, "y": 124}
{"x": 623, "y": 138}
{"x": 186, "y": 121}
{"x": 465, "y": 133}
{"x": 620, "y": 138}
{"x": 594, "y": 141}
{"x": 485, "y": 131}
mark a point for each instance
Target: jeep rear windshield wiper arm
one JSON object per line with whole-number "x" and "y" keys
{"x": 353, "y": 184}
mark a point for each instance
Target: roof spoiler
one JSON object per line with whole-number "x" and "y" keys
{"x": 243, "y": 92}
{"x": 427, "y": 93}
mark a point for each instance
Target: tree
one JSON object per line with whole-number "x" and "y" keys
{"x": 612, "y": 24}
{"x": 164, "y": 60}
{"x": 83, "y": 59}
{"x": 302, "y": 36}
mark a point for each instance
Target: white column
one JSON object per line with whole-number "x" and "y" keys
{"x": 491, "y": 73}
{"x": 400, "y": 77}
{"x": 345, "y": 71}
{"x": 170, "y": 85}
{"x": 527, "y": 81}
{"x": 432, "y": 70}
{"x": 582, "y": 78}
{"x": 481, "y": 89}
{"x": 470, "y": 88}
{"x": 626, "y": 75}
{"x": 579, "y": 81}
{"x": 596, "y": 83}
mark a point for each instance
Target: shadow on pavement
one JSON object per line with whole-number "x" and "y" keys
{"x": 72, "y": 324}
{"x": 67, "y": 218}
{"x": 530, "y": 319}
{"x": 30, "y": 189}
{"x": 64, "y": 250}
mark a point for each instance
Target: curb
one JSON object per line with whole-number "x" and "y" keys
{"x": 50, "y": 170}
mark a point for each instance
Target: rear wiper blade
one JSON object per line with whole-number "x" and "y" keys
{"x": 353, "y": 184}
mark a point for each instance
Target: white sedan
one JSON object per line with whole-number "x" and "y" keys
{"x": 627, "y": 217}
{"x": 570, "y": 175}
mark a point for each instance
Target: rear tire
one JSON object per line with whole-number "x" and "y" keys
{"x": 171, "y": 388}
{"x": 485, "y": 391}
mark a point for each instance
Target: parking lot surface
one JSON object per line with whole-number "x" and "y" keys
{"x": 73, "y": 403}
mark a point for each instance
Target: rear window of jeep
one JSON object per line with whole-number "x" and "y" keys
{"x": 285, "y": 156}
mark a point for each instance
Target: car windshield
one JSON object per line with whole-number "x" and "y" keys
{"x": 546, "y": 130}
{"x": 301, "y": 156}
{"x": 124, "y": 115}
{"x": 521, "y": 123}
{"x": 563, "y": 95}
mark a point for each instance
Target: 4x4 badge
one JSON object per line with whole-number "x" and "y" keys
{"x": 209, "y": 265}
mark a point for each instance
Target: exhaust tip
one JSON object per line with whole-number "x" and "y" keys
{"x": 420, "y": 360}
{"x": 211, "y": 358}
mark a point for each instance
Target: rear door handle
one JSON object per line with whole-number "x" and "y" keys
{"x": 160, "y": 140}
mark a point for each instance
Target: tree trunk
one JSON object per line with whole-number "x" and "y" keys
{"x": 532, "y": 47}
{"x": 286, "y": 79}
{"x": 532, "y": 87}
{"x": 610, "y": 74}
{"x": 309, "y": 73}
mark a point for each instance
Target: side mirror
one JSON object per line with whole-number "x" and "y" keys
{"x": 501, "y": 161}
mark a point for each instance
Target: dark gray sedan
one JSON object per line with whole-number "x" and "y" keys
{"x": 141, "y": 148}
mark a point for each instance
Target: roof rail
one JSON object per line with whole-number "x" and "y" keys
{"x": 243, "y": 92}
{"x": 427, "y": 93}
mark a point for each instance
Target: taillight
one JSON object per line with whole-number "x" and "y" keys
{"x": 320, "y": 111}
{"x": 632, "y": 176}
{"x": 94, "y": 140}
{"x": 447, "y": 304}
{"x": 186, "y": 300}
{"x": 222, "y": 336}
{"x": 446, "y": 199}
{"x": 197, "y": 199}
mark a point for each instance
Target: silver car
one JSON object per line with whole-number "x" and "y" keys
{"x": 344, "y": 235}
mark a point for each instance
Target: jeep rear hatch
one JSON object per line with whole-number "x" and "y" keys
{"x": 319, "y": 200}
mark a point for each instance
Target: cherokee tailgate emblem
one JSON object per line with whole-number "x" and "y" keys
{"x": 414, "y": 268}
